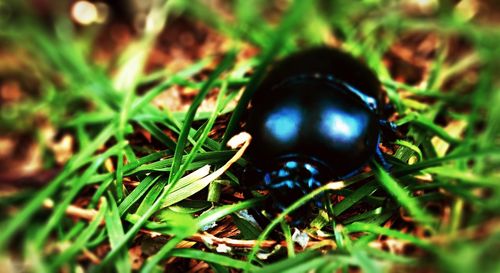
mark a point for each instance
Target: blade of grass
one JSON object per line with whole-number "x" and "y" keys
{"x": 207, "y": 257}
{"x": 25, "y": 214}
{"x": 128, "y": 77}
{"x": 177, "y": 171}
{"x": 303, "y": 200}
{"x": 81, "y": 240}
{"x": 115, "y": 232}
{"x": 180, "y": 194}
{"x": 365, "y": 262}
{"x": 137, "y": 193}
{"x": 305, "y": 262}
{"x": 157, "y": 204}
{"x": 288, "y": 238}
{"x": 248, "y": 230}
{"x": 76, "y": 186}
{"x": 203, "y": 220}
{"x": 290, "y": 20}
{"x": 151, "y": 263}
{"x": 351, "y": 199}
{"x": 401, "y": 195}
{"x": 376, "y": 229}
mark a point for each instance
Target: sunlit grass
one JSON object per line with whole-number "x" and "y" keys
{"x": 446, "y": 156}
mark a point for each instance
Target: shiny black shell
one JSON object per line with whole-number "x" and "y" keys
{"x": 321, "y": 107}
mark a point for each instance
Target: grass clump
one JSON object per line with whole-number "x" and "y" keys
{"x": 145, "y": 186}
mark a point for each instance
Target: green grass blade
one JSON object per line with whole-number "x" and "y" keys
{"x": 303, "y": 200}
{"x": 152, "y": 261}
{"x": 376, "y": 229}
{"x": 177, "y": 172}
{"x": 288, "y": 238}
{"x": 303, "y": 262}
{"x": 217, "y": 213}
{"x": 208, "y": 257}
{"x": 23, "y": 216}
{"x": 401, "y": 195}
{"x": 137, "y": 193}
{"x": 115, "y": 232}
{"x": 81, "y": 240}
{"x": 291, "y": 19}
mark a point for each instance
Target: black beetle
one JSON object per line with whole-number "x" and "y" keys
{"x": 315, "y": 117}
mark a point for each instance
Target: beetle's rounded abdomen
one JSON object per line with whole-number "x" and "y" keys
{"x": 315, "y": 120}
{"x": 323, "y": 61}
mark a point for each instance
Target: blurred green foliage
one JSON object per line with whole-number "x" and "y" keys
{"x": 438, "y": 161}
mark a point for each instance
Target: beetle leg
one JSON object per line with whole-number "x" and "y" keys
{"x": 389, "y": 129}
{"x": 388, "y": 126}
{"x": 379, "y": 157}
{"x": 252, "y": 178}
{"x": 262, "y": 221}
